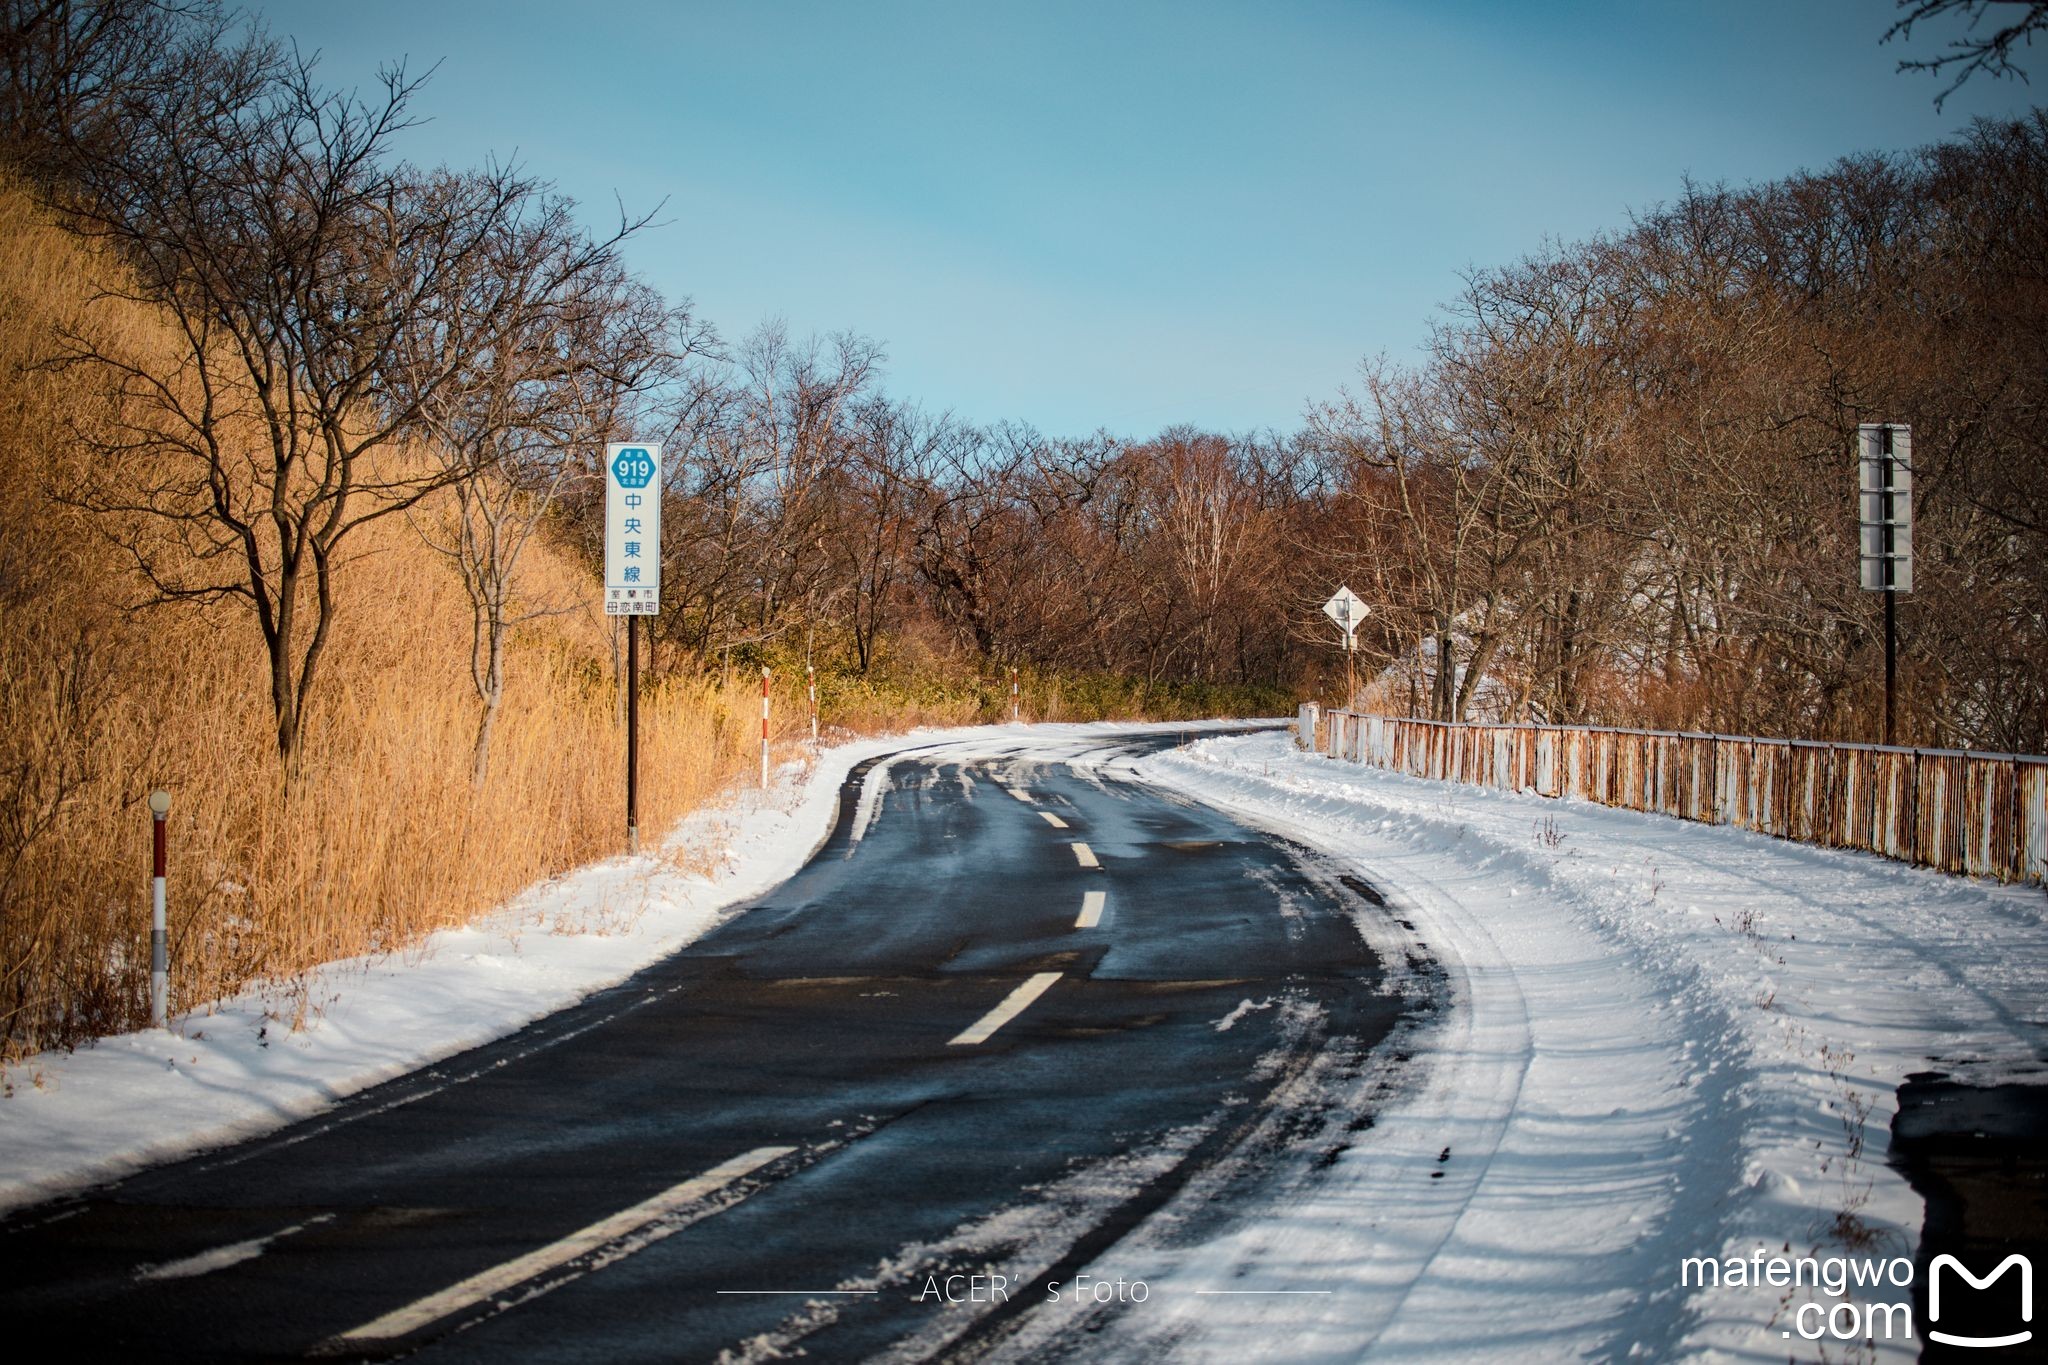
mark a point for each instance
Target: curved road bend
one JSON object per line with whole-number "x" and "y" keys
{"x": 998, "y": 1019}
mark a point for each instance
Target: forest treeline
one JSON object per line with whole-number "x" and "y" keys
{"x": 1619, "y": 488}
{"x": 1616, "y": 489}
{"x": 299, "y": 482}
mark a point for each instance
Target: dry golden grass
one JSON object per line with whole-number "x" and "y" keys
{"x": 381, "y": 841}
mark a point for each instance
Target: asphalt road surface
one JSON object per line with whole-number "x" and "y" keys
{"x": 1008, "y": 1011}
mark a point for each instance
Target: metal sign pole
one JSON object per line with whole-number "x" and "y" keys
{"x": 632, "y": 737}
{"x": 1891, "y": 663}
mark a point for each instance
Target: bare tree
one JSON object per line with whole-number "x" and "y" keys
{"x": 753, "y": 498}
{"x": 891, "y": 446}
{"x": 575, "y": 339}
{"x": 70, "y": 71}
{"x": 1988, "y": 51}
{"x": 298, "y": 268}
{"x": 973, "y": 536}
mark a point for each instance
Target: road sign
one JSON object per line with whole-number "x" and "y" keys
{"x": 632, "y": 529}
{"x": 1347, "y": 611}
{"x": 1884, "y": 512}
{"x": 1884, "y": 497}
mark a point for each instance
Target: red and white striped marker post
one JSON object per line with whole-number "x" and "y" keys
{"x": 1015, "y": 714}
{"x": 764, "y": 727}
{"x": 159, "y": 941}
{"x": 811, "y": 681}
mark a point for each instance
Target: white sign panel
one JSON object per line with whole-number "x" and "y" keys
{"x": 632, "y": 529}
{"x": 1884, "y": 506}
{"x": 1346, "y": 610}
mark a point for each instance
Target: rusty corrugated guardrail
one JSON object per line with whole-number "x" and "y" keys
{"x": 1981, "y": 814}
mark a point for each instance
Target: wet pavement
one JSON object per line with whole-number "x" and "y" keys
{"x": 931, "y": 1054}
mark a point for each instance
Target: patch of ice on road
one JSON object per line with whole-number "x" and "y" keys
{"x": 220, "y": 1258}
{"x": 872, "y": 788}
{"x": 1244, "y": 1007}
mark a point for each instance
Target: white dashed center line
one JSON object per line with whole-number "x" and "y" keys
{"x": 490, "y": 1283}
{"x": 1053, "y": 820}
{"x": 220, "y": 1258}
{"x": 1084, "y": 855}
{"x": 1091, "y": 910}
{"x": 1020, "y": 794}
{"x": 1013, "y": 1005}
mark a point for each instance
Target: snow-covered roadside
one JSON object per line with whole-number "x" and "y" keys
{"x": 1664, "y": 1042}
{"x": 240, "y": 1067}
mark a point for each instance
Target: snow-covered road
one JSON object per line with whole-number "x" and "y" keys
{"x": 1666, "y": 1041}
{"x": 1651, "y": 1041}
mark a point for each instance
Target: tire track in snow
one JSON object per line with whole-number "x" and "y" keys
{"x": 1483, "y": 1059}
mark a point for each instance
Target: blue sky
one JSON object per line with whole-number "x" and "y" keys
{"x": 1127, "y": 215}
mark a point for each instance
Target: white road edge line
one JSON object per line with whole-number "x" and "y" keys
{"x": 1084, "y": 855}
{"x": 1053, "y": 820}
{"x": 498, "y": 1279}
{"x": 1013, "y": 1005}
{"x": 1091, "y": 910}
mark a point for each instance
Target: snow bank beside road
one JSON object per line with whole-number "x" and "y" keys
{"x": 287, "y": 1049}
{"x": 1665, "y": 1041}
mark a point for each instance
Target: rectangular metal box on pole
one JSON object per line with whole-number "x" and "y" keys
{"x": 1884, "y": 497}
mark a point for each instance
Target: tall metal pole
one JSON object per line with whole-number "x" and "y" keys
{"x": 1891, "y": 594}
{"x": 632, "y": 737}
{"x": 811, "y": 684}
{"x": 1350, "y": 687}
{"x": 764, "y": 727}
{"x": 1891, "y": 659}
{"x": 1016, "y": 712}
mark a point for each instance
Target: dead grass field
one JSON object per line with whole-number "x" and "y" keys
{"x": 103, "y": 697}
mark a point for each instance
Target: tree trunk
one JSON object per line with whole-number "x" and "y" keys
{"x": 1443, "y": 685}
{"x": 494, "y": 693}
